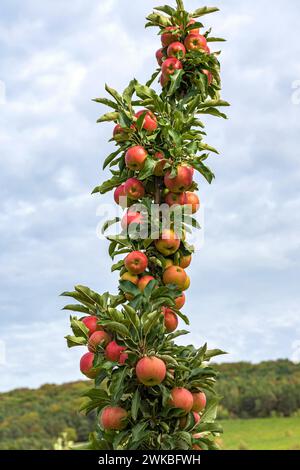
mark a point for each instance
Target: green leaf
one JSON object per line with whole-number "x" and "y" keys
{"x": 117, "y": 266}
{"x": 210, "y": 412}
{"x": 79, "y": 329}
{"x": 213, "y": 352}
{"x": 166, "y": 9}
{"x": 175, "y": 82}
{"x": 118, "y": 384}
{"x": 128, "y": 92}
{"x": 148, "y": 169}
{"x": 108, "y": 117}
{"x": 110, "y": 158}
{"x": 107, "y": 102}
{"x": 204, "y": 11}
{"x": 153, "y": 77}
{"x": 117, "y": 327}
{"x": 135, "y": 404}
{"x": 77, "y": 308}
{"x": 114, "y": 94}
{"x": 75, "y": 341}
{"x": 108, "y": 223}
{"x": 129, "y": 288}
{"x": 212, "y": 39}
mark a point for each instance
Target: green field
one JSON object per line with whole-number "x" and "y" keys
{"x": 261, "y": 434}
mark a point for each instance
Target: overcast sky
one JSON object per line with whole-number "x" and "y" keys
{"x": 55, "y": 56}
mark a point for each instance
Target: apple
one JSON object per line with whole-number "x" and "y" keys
{"x": 99, "y": 337}
{"x": 164, "y": 80}
{"x": 160, "y": 56}
{"x": 195, "y": 42}
{"x": 168, "y": 37}
{"x": 170, "y": 320}
{"x": 199, "y": 401}
{"x": 150, "y": 121}
{"x": 130, "y": 277}
{"x": 185, "y": 261}
{"x": 131, "y": 217}
{"x": 181, "y": 398}
{"x": 193, "y": 31}
{"x": 118, "y": 193}
{"x": 134, "y": 189}
{"x": 144, "y": 281}
{"x": 177, "y": 50}
{"x": 159, "y": 168}
{"x": 182, "y": 181}
{"x": 208, "y": 74}
{"x": 136, "y": 262}
{"x": 170, "y": 66}
{"x": 151, "y": 370}
{"x": 175, "y": 199}
{"x": 135, "y": 157}
{"x": 175, "y": 275}
{"x": 113, "y": 418}
{"x": 169, "y": 262}
{"x": 86, "y": 365}
{"x": 187, "y": 283}
{"x": 183, "y": 420}
{"x": 180, "y": 301}
{"x": 113, "y": 351}
{"x": 91, "y": 324}
{"x": 123, "y": 358}
{"x": 118, "y": 130}
{"x": 192, "y": 200}
{"x": 168, "y": 244}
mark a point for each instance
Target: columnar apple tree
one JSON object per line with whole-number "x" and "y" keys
{"x": 149, "y": 392}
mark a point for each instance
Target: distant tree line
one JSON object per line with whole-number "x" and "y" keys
{"x": 33, "y": 419}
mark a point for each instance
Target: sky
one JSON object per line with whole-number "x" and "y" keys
{"x": 54, "y": 57}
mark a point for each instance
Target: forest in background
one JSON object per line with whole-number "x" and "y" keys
{"x": 33, "y": 419}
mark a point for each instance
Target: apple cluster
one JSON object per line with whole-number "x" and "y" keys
{"x": 143, "y": 379}
{"x": 176, "y": 44}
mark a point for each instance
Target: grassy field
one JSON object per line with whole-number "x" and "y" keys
{"x": 261, "y": 434}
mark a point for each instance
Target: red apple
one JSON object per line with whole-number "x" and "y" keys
{"x": 118, "y": 130}
{"x": 177, "y": 50}
{"x": 199, "y": 401}
{"x": 131, "y": 217}
{"x": 182, "y": 181}
{"x": 193, "y": 31}
{"x": 123, "y": 358}
{"x": 134, "y": 189}
{"x": 170, "y": 320}
{"x": 181, "y": 398}
{"x": 160, "y": 56}
{"x": 99, "y": 337}
{"x": 144, "y": 281}
{"x": 91, "y": 324}
{"x": 192, "y": 200}
{"x": 113, "y": 351}
{"x": 185, "y": 261}
{"x": 175, "y": 275}
{"x": 159, "y": 169}
{"x": 183, "y": 420}
{"x": 174, "y": 199}
{"x": 168, "y": 37}
{"x": 151, "y": 370}
{"x": 195, "y": 42}
{"x": 135, "y": 157}
{"x": 208, "y": 74}
{"x": 168, "y": 244}
{"x": 180, "y": 301}
{"x": 86, "y": 365}
{"x": 113, "y": 418}
{"x": 120, "y": 192}
{"x": 150, "y": 121}
{"x": 170, "y": 66}
{"x": 136, "y": 262}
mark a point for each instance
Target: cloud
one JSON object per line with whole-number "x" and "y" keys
{"x": 56, "y": 56}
